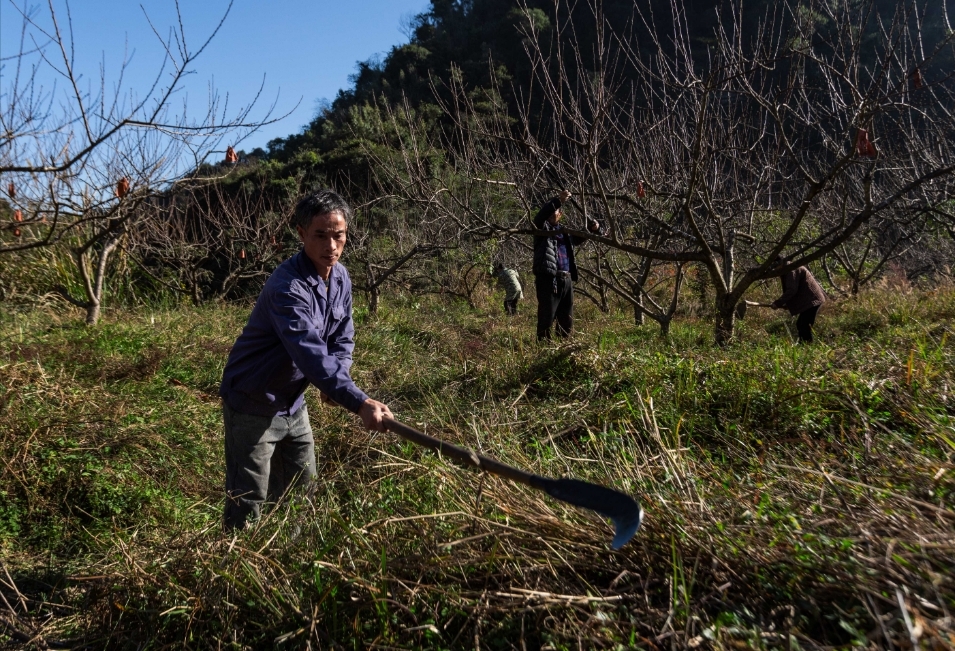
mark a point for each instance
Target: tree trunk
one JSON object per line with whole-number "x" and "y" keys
{"x": 92, "y": 312}
{"x": 665, "y": 327}
{"x": 638, "y": 317}
{"x": 636, "y": 288}
{"x": 95, "y": 297}
{"x": 195, "y": 289}
{"x": 725, "y": 319}
{"x": 93, "y": 280}
{"x": 373, "y": 287}
{"x": 604, "y": 302}
{"x": 373, "y": 295}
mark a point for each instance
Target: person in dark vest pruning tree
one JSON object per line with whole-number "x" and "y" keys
{"x": 555, "y": 270}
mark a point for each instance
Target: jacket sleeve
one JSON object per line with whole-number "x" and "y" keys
{"x": 545, "y": 212}
{"x": 577, "y": 240}
{"x": 301, "y": 338}
{"x": 790, "y": 285}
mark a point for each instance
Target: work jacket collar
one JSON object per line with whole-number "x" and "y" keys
{"x": 310, "y": 274}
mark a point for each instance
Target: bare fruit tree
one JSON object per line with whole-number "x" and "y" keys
{"x": 383, "y": 247}
{"x": 205, "y": 241}
{"x": 857, "y": 262}
{"x": 79, "y": 160}
{"x": 783, "y": 140}
{"x": 426, "y": 229}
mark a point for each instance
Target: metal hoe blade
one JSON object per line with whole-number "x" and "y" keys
{"x": 622, "y": 509}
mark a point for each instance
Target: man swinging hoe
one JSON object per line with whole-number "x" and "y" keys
{"x": 301, "y": 332}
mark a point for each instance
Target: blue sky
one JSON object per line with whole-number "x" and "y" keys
{"x": 304, "y": 51}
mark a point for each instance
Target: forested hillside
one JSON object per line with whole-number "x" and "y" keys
{"x": 482, "y": 43}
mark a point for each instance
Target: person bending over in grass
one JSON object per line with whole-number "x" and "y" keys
{"x": 511, "y": 284}
{"x": 300, "y": 332}
{"x": 802, "y": 296}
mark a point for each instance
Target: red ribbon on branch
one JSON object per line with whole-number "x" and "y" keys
{"x": 122, "y": 187}
{"x": 864, "y": 146}
{"x": 916, "y": 78}
{"x": 230, "y": 155}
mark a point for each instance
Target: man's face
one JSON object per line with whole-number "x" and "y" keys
{"x": 324, "y": 240}
{"x": 555, "y": 218}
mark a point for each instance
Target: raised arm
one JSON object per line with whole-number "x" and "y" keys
{"x": 546, "y": 211}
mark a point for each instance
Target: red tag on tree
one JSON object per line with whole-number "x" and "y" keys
{"x": 916, "y": 79}
{"x": 242, "y": 254}
{"x": 230, "y": 155}
{"x": 17, "y": 216}
{"x": 11, "y": 190}
{"x": 864, "y": 146}
{"x": 640, "y": 191}
{"x": 122, "y": 187}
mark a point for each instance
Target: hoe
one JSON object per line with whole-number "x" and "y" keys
{"x": 622, "y": 509}
{"x": 742, "y": 305}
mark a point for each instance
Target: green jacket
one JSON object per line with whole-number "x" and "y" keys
{"x": 510, "y": 283}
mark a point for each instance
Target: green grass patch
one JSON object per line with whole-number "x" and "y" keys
{"x": 791, "y": 491}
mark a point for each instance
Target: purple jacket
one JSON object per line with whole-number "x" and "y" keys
{"x": 296, "y": 335}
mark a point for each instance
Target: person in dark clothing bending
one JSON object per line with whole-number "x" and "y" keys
{"x": 555, "y": 270}
{"x": 802, "y": 296}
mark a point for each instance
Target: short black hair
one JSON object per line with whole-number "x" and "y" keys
{"x": 318, "y": 203}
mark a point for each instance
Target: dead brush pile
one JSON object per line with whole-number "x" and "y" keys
{"x": 796, "y": 497}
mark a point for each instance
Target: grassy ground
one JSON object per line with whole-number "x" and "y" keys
{"x": 796, "y": 497}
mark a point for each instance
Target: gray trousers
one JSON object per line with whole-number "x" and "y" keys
{"x": 264, "y": 458}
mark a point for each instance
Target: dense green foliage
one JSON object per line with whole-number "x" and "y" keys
{"x": 476, "y": 42}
